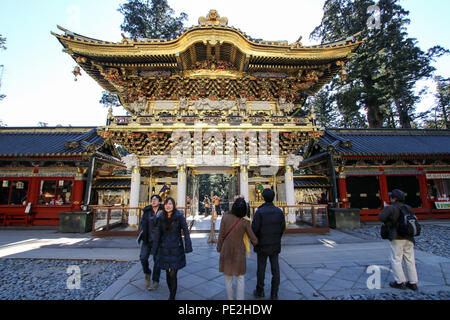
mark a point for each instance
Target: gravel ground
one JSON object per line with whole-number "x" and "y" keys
{"x": 35, "y": 279}
{"x": 39, "y": 279}
{"x": 433, "y": 238}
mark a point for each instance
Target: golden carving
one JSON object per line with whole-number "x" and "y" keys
{"x": 213, "y": 18}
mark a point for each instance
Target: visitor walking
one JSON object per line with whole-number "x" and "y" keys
{"x": 268, "y": 225}
{"x": 147, "y": 227}
{"x": 402, "y": 248}
{"x": 168, "y": 244}
{"x": 235, "y": 230}
{"x": 217, "y": 205}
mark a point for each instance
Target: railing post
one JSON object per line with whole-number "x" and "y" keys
{"x": 313, "y": 216}
{"x": 108, "y": 217}
{"x": 93, "y": 220}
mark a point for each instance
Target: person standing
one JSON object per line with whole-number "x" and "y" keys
{"x": 206, "y": 204}
{"x": 168, "y": 244}
{"x": 268, "y": 225}
{"x": 235, "y": 230}
{"x": 402, "y": 248}
{"x": 147, "y": 225}
{"x": 217, "y": 206}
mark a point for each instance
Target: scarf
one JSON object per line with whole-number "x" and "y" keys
{"x": 246, "y": 240}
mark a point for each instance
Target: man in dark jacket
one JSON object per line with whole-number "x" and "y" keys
{"x": 268, "y": 225}
{"x": 402, "y": 249}
{"x": 147, "y": 225}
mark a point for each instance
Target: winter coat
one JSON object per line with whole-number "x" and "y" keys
{"x": 168, "y": 243}
{"x": 268, "y": 225}
{"x": 148, "y": 223}
{"x": 232, "y": 260}
{"x": 389, "y": 216}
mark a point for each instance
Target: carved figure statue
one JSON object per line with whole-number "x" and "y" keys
{"x": 259, "y": 189}
{"x": 165, "y": 191}
{"x": 213, "y": 18}
{"x": 184, "y": 104}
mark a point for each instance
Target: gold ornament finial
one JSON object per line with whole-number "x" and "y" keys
{"x": 213, "y": 18}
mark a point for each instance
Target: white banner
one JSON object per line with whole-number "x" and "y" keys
{"x": 431, "y": 176}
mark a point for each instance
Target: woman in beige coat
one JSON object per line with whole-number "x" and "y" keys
{"x": 232, "y": 245}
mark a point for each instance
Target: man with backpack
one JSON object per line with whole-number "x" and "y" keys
{"x": 401, "y": 227}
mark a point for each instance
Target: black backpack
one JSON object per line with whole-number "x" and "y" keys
{"x": 407, "y": 224}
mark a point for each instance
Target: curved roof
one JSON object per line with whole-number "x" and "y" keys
{"x": 211, "y": 50}
{"x": 385, "y": 142}
{"x": 213, "y": 34}
{"x": 29, "y": 142}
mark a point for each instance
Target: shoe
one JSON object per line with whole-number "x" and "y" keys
{"x": 147, "y": 280}
{"x": 153, "y": 286}
{"x": 273, "y": 297}
{"x": 258, "y": 294}
{"x": 412, "y": 286}
{"x": 396, "y": 285}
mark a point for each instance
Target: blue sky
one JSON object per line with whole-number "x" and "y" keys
{"x": 37, "y": 76}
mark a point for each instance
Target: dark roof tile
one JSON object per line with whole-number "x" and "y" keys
{"x": 48, "y": 141}
{"x": 387, "y": 141}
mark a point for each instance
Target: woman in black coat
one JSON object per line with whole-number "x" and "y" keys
{"x": 168, "y": 244}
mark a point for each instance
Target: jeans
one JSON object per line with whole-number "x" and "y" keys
{"x": 261, "y": 270}
{"x": 240, "y": 286}
{"x": 144, "y": 256}
{"x": 403, "y": 250}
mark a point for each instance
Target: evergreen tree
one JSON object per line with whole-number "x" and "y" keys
{"x": 150, "y": 19}
{"x": 324, "y": 108}
{"x": 146, "y": 19}
{"x": 439, "y": 113}
{"x": 383, "y": 74}
{"x": 109, "y": 100}
{"x": 2, "y": 42}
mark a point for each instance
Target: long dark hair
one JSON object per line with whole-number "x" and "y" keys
{"x": 168, "y": 221}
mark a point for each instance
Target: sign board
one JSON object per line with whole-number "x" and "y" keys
{"x": 442, "y": 205}
{"x": 432, "y": 176}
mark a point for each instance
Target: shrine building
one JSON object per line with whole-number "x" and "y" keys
{"x": 45, "y": 171}
{"x": 363, "y": 165}
{"x": 211, "y": 100}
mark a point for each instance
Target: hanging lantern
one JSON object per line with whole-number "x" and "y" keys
{"x": 76, "y": 72}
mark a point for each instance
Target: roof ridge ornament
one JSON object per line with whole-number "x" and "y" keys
{"x": 213, "y": 18}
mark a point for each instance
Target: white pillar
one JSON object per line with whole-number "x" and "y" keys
{"x": 181, "y": 187}
{"x": 290, "y": 193}
{"x": 134, "y": 195}
{"x": 244, "y": 182}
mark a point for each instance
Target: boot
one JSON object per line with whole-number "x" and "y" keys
{"x": 147, "y": 280}
{"x": 153, "y": 286}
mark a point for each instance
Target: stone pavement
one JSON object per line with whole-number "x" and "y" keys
{"x": 313, "y": 266}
